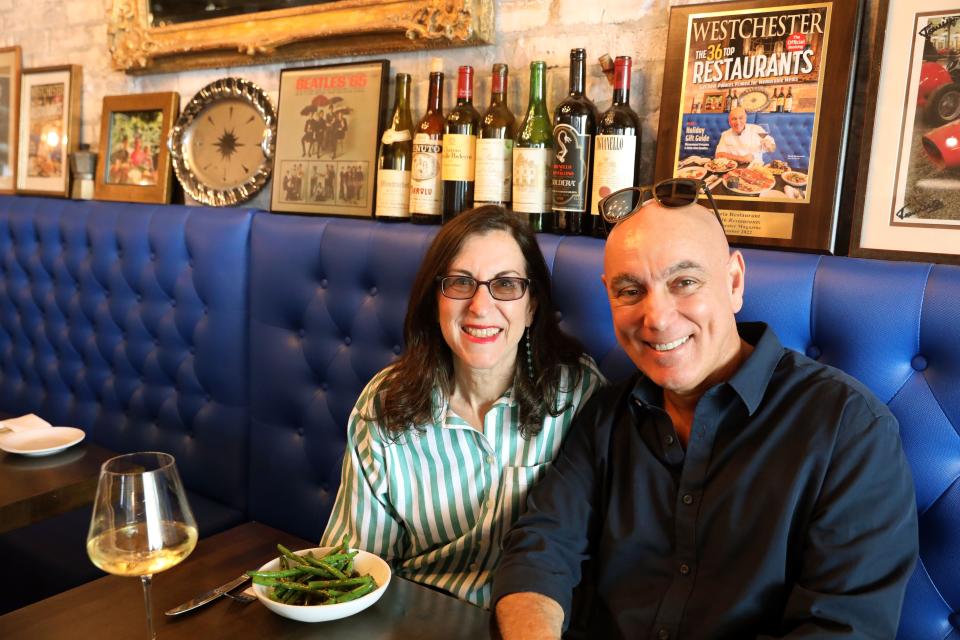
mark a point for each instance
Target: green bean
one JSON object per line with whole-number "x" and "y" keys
{"x": 362, "y": 590}
{"x": 291, "y": 555}
{"x": 349, "y": 582}
{"x": 283, "y": 573}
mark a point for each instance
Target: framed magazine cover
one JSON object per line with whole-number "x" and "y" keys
{"x": 9, "y": 112}
{"x": 134, "y": 163}
{"x": 772, "y": 155}
{"x": 49, "y": 129}
{"x": 907, "y": 203}
{"x": 328, "y": 127}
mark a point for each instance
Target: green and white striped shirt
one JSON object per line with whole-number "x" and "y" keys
{"x": 436, "y": 505}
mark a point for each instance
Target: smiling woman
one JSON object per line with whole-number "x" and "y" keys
{"x": 444, "y": 444}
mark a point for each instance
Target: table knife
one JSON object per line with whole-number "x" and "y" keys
{"x": 208, "y": 596}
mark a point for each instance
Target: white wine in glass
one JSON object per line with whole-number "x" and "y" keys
{"x": 141, "y": 523}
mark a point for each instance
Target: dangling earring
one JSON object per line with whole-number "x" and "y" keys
{"x": 529, "y": 354}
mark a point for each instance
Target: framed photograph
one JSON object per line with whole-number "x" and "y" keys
{"x": 770, "y": 149}
{"x": 328, "y": 127}
{"x": 713, "y": 101}
{"x": 908, "y": 183}
{"x": 134, "y": 163}
{"x": 9, "y": 110}
{"x": 49, "y": 129}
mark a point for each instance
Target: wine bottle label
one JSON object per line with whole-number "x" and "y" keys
{"x": 494, "y": 170}
{"x": 531, "y": 180}
{"x": 426, "y": 183}
{"x": 571, "y": 162}
{"x": 393, "y": 193}
{"x": 459, "y": 156}
{"x": 613, "y": 166}
{"x": 392, "y": 135}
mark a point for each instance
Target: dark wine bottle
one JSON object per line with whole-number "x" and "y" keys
{"x": 396, "y": 158}
{"x": 788, "y": 101}
{"x": 494, "y": 174}
{"x": 574, "y": 125}
{"x": 533, "y": 156}
{"x": 459, "y": 148}
{"x": 426, "y": 181}
{"x": 616, "y": 149}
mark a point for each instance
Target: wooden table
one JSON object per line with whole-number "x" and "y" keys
{"x": 112, "y": 607}
{"x": 32, "y": 489}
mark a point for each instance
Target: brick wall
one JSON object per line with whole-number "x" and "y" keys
{"x": 54, "y": 32}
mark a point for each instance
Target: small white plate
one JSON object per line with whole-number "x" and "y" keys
{"x": 365, "y": 564}
{"x": 41, "y": 442}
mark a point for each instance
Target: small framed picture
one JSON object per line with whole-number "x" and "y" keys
{"x": 9, "y": 112}
{"x": 49, "y": 129}
{"x": 713, "y": 102}
{"x": 328, "y": 128}
{"x": 134, "y": 163}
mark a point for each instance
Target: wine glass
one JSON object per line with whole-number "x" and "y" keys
{"x": 141, "y": 523}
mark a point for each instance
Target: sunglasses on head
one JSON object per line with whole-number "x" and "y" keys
{"x": 672, "y": 193}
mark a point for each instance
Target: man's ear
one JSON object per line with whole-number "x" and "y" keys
{"x": 736, "y": 273}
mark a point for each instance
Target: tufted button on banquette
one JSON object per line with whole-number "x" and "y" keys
{"x": 323, "y": 283}
{"x": 324, "y": 386}
{"x": 373, "y": 291}
{"x": 347, "y": 341}
{"x": 813, "y": 351}
{"x": 301, "y": 431}
{"x": 397, "y": 349}
{"x": 919, "y": 363}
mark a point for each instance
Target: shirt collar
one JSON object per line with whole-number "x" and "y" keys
{"x": 449, "y": 419}
{"x": 751, "y": 379}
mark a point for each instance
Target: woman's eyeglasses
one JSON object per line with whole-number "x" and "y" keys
{"x": 672, "y": 193}
{"x": 465, "y": 287}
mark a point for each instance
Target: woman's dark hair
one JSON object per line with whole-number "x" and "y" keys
{"x": 406, "y": 398}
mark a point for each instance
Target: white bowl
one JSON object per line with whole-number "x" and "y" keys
{"x": 365, "y": 564}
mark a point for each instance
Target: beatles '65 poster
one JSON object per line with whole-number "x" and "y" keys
{"x": 327, "y": 134}
{"x": 754, "y": 103}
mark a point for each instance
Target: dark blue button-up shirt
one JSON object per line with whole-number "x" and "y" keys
{"x": 790, "y": 511}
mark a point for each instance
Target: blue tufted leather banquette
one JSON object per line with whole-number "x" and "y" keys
{"x": 130, "y": 322}
{"x": 90, "y": 335}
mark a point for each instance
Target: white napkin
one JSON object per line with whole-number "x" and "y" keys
{"x": 25, "y": 423}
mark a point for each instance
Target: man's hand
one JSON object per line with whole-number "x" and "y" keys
{"x": 529, "y": 616}
{"x": 733, "y": 156}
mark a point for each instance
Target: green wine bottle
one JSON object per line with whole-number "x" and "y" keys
{"x": 533, "y": 156}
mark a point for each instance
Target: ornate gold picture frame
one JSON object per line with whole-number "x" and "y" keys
{"x": 332, "y": 29}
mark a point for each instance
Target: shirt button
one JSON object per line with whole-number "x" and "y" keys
{"x": 687, "y": 498}
{"x": 489, "y": 459}
{"x": 663, "y": 634}
{"x": 684, "y": 569}
{"x": 669, "y": 440}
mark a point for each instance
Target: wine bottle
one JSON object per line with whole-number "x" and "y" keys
{"x": 459, "y": 148}
{"x": 780, "y": 101}
{"x": 736, "y": 100}
{"x": 616, "y": 148}
{"x": 495, "y": 146}
{"x": 773, "y": 99}
{"x": 788, "y": 103}
{"x": 728, "y": 101}
{"x": 426, "y": 182}
{"x": 574, "y": 125}
{"x": 396, "y": 157}
{"x": 533, "y": 156}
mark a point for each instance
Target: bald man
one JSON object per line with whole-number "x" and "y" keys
{"x": 731, "y": 489}
{"x": 744, "y": 142}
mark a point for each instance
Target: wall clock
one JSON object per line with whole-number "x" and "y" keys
{"x": 223, "y": 143}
